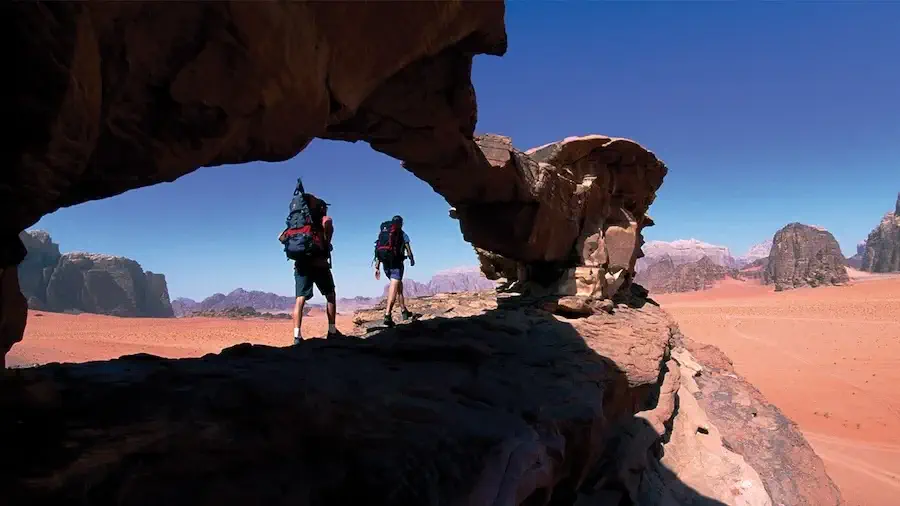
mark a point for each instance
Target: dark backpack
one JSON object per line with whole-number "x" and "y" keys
{"x": 304, "y": 236}
{"x": 389, "y": 246}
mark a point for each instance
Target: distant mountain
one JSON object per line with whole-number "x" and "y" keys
{"x": 665, "y": 276}
{"x": 757, "y": 251}
{"x": 684, "y": 251}
{"x": 461, "y": 279}
{"x": 238, "y": 298}
{"x": 856, "y": 260}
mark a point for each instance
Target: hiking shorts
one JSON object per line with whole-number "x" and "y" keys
{"x": 394, "y": 271}
{"x": 307, "y": 275}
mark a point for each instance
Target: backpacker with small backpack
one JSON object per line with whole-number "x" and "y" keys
{"x": 304, "y": 236}
{"x": 389, "y": 246}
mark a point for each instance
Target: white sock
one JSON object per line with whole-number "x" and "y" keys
{"x": 296, "y": 333}
{"x": 331, "y": 328}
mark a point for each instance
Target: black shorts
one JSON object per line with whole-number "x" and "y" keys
{"x": 305, "y": 275}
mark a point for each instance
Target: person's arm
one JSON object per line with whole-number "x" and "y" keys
{"x": 409, "y": 253}
{"x": 377, "y": 269}
{"x": 328, "y": 225}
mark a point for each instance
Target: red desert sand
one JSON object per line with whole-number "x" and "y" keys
{"x": 55, "y": 337}
{"x": 828, "y": 357}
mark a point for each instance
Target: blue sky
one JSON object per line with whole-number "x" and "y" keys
{"x": 765, "y": 113}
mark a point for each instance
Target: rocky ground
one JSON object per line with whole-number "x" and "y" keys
{"x": 509, "y": 404}
{"x": 828, "y": 357}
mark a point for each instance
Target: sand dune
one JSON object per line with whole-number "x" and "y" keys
{"x": 828, "y": 357}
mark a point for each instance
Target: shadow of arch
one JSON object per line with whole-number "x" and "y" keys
{"x": 507, "y": 407}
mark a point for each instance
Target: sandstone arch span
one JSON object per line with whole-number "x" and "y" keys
{"x": 102, "y": 110}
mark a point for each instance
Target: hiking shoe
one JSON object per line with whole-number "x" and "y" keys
{"x": 388, "y": 321}
{"x": 409, "y": 315}
{"x": 297, "y": 340}
{"x": 336, "y": 333}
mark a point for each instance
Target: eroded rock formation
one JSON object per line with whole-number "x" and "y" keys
{"x": 882, "y": 249}
{"x": 568, "y": 215}
{"x": 484, "y": 401}
{"x": 89, "y": 282}
{"x": 804, "y": 255}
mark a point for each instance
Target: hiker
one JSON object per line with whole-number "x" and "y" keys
{"x": 391, "y": 249}
{"x": 307, "y": 241}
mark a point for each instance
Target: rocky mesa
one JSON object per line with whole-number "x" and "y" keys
{"x": 89, "y": 282}
{"x": 804, "y": 255}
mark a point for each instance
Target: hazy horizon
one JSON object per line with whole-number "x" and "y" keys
{"x": 765, "y": 113}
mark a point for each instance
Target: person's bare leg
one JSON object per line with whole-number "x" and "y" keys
{"x": 392, "y": 297}
{"x": 298, "y": 318}
{"x": 331, "y": 311}
{"x": 401, "y": 299}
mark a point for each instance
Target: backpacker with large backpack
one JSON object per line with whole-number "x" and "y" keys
{"x": 389, "y": 246}
{"x": 305, "y": 235}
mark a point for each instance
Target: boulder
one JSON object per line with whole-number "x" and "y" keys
{"x": 804, "y": 255}
{"x": 882, "y": 250}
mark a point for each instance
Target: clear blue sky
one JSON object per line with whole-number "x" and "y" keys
{"x": 766, "y": 113}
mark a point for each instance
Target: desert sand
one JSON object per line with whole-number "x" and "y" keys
{"x": 828, "y": 357}
{"x": 55, "y": 337}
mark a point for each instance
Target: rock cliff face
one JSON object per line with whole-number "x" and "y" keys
{"x": 88, "y": 282}
{"x": 37, "y": 267}
{"x": 803, "y": 255}
{"x": 494, "y": 402}
{"x": 107, "y": 284}
{"x": 665, "y": 276}
{"x": 684, "y": 251}
{"x": 882, "y": 251}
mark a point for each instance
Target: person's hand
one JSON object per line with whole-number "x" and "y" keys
{"x": 412, "y": 262}
{"x": 377, "y": 275}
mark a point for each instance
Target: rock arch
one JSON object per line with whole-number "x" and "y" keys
{"x": 116, "y": 96}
